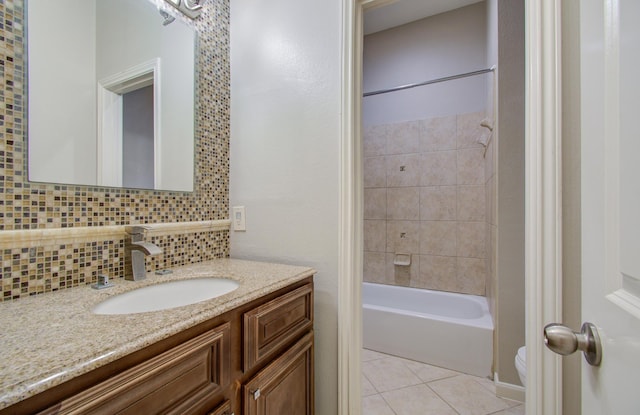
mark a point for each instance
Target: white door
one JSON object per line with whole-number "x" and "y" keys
{"x": 610, "y": 88}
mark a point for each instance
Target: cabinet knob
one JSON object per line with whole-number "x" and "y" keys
{"x": 255, "y": 393}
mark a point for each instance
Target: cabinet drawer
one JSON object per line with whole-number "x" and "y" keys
{"x": 177, "y": 381}
{"x": 285, "y": 386}
{"x": 270, "y": 327}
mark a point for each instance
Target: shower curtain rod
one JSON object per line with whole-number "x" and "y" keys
{"x": 432, "y": 81}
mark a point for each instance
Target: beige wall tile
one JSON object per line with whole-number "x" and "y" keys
{"x": 438, "y": 134}
{"x": 436, "y": 273}
{"x": 470, "y": 166}
{"x": 438, "y": 238}
{"x": 403, "y": 138}
{"x": 487, "y": 279}
{"x": 489, "y": 248}
{"x": 399, "y": 274}
{"x": 438, "y": 168}
{"x": 489, "y": 200}
{"x": 468, "y": 129}
{"x": 375, "y": 203}
{"x": 470, "y": 239}
{"x": 375, "y": 172}
{"x": 438, "y": 203}
{"x": 489, "y": 159}
{"x": 494, "y": 200}
{"x": 432, "y": 195}
{"x": 403, "y": 170}
{"x": 403, "y": 236}
{"x": 403, "y": 203}
{"x": 374, "y": 141}
{"x": 374, "y": 267}
{"x": 375, "y": 235}
{"x": 471, "y": 275}
{"x": 471, "y": 203}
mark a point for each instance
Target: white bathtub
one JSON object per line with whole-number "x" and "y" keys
{"x": 449, "y": 330}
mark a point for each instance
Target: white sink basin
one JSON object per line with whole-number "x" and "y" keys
{"x": 166, "y": 295}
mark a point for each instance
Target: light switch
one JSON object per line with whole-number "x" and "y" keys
{"x": 239, "y": 223}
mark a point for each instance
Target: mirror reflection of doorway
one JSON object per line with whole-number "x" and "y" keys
{"x": 138, "y": 138}
{"x": 129, "y": 103}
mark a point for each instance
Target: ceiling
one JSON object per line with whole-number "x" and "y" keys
{"x": 405, "y": 11}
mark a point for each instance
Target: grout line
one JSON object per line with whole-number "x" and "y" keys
{"x": 443, "y": 399}
{"x": 502, "y": 410}
{"x": 371, "y": 383}
{"x": 389, "y": 405}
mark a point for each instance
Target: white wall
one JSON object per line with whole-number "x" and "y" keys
{"x": 285, "y": 127}
{"x": 442, "y": 45}
{"x": 61, "y": 136}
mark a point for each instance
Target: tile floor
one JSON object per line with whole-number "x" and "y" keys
{"x": 395, "y": 386}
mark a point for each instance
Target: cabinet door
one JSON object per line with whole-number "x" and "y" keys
{"x": 285, "y": 386}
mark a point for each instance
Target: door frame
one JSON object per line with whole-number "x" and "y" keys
{"x": 543, "y": 201}
{"x": 543, "y": 205}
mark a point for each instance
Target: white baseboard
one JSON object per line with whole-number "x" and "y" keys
{"x": 508, "y": 390}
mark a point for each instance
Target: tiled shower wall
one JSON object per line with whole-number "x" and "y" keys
{"x": 425, "y": 195}
{"x": 31, "y": 268}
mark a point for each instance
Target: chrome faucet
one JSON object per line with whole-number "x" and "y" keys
{"x": 139, "y": 249}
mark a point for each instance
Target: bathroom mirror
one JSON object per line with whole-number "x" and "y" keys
{"x": 110, "y": 94}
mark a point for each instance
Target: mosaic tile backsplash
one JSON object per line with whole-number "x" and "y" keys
{"x": 425, "y": 196}
{"x": 28, "y": 270}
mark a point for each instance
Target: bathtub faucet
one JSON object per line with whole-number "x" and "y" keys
{"x": 138, "y": 248}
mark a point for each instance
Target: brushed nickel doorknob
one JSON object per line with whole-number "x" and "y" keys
{"x": 562, "y": 340}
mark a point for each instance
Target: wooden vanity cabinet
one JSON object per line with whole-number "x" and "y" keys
{"x": 255, "y": 359}
{"x": 285, "y": 385}
{"x": 222, "y": 409}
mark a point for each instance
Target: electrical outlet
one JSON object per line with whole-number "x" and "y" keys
{"x": 239, "y": 220}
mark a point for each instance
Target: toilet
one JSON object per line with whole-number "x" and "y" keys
{"x": 521, "y": 365}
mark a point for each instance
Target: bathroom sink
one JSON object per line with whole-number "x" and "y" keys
{"x": 166, "y": 295}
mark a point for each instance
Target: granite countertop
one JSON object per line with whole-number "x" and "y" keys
{"x": 51, "y": 338}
